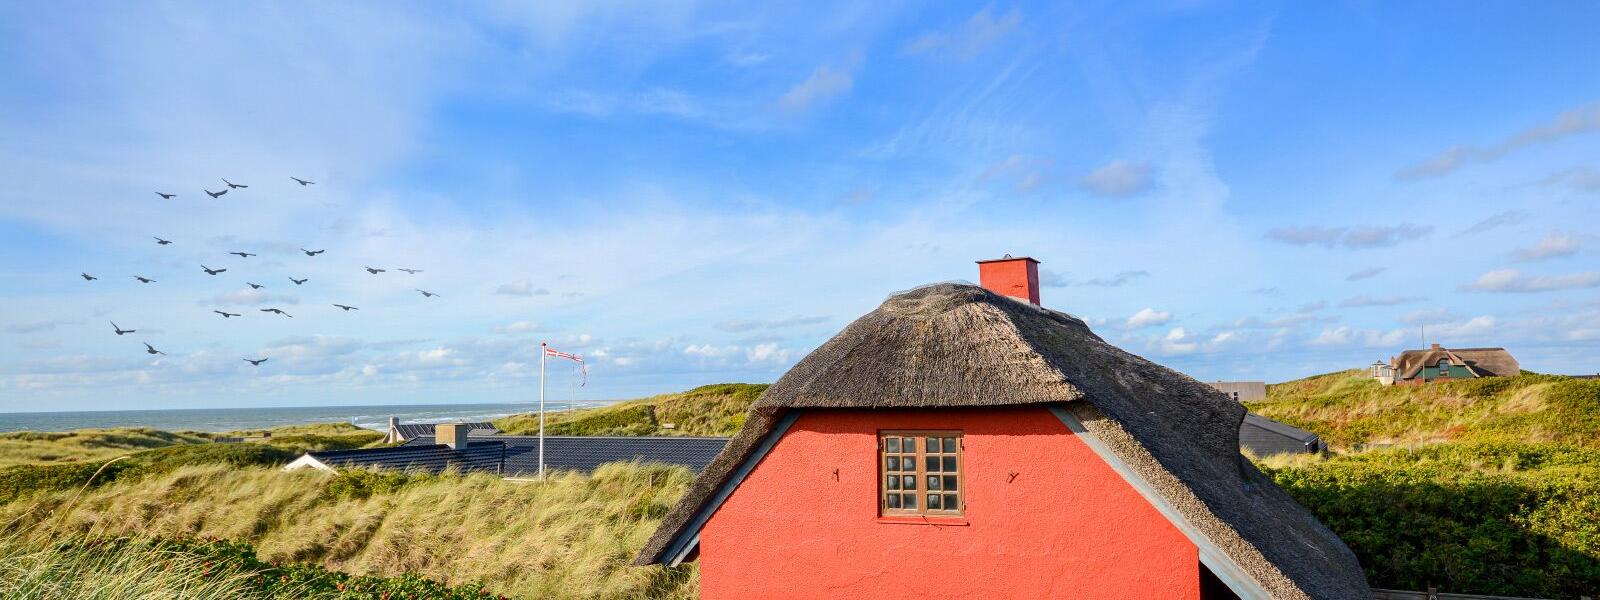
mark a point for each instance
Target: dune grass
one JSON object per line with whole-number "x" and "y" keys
{"x": 709, "y": 410}
{"x": 570, "y": 537}
{"x": 1347, "y": 408}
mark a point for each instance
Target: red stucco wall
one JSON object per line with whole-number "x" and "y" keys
{"x": 1066, "y": 526}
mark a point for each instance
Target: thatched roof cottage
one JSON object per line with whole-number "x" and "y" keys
{"x": 958, "y": 442}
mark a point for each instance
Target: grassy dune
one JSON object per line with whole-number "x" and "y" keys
{"x": 570, "y": 537}
{"x": 40, "y": 447}
{"x": 1348, "y": 408}
{"x": 709, "y": 410}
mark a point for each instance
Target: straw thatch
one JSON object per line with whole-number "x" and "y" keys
{"x": 956, "y": 345}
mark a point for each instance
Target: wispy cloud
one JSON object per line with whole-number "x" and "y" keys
{"x": 1366, "y": 273}
{"x": 1514, "y": 281}
{"x": 742, "y": 325}
{"x": 969, "y": 39}
{"x": 1585, "y": 119}
{"x": 1495, "y": 221}
{"x": 250, "y": 297}
{"x": 1368, "y": 301}
{"x": 1553, "y": 245}
{"x": 1118, "y": 179}
{"x": 1050, "y": 278}
{"x": 521, "y": 287}
{"x": 1353, "y": 336}
{"x": 1577, "y": 179}
{"x": 825, "y": 83}
{"x": 1381, "y": 236}
{"x": 1026, "y": 173}
{"x": 36, "y": 326}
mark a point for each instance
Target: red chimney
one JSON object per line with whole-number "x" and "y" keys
{"x": 1015, "y": 277}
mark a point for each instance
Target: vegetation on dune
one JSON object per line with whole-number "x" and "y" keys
{"x": 1348, "y": 408}
{"x": 570, "y": 537}
{"x": 1507, "y": 518}
{"x": 45, "y": 447}
{"x": 709, "y": 410}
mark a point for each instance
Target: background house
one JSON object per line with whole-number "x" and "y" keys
{"x": 1242, "y": 391}
{"x": 1437, "y": 363}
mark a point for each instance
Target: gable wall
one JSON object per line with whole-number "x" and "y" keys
{"x": 1065, "y": 526}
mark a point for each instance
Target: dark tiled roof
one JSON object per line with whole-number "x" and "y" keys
{"x": 586, "y": 453}
{"x": 1263, "y": 436}
{"x": 488, "y": 456}
{"x": 416, "y": 430}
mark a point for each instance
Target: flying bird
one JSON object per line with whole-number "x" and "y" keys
{"x": 215, "y": 194}
{"x": 148, "y": 349}
{"x": 162, "y": 242}
{"x": 88, "y": 277}
{"x": 299, "y": 281}
{"x": 254, "y": 286}
{"x": 374, "y": 271}
{"x": 411, "y": 271}
{"x": 277, "y": 311}
{"x": 242, "y": 254}
{"x": 255, "y": 363}
{"x": 143, "y": 279}
{"x": 166, "y": 196}
{"x": 225, "y": 314}
{"x": 211, "y": 271}
{"x": 232, "y": 185}
{"x": 346, "y": 308}
{"x": 120, "y": 330}
{"x": 312, "y": 252}
{"x": 427, "y": 294}
{"x": 302, "y": 182}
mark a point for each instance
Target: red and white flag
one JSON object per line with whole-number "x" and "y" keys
{"x": 582, "y": 368}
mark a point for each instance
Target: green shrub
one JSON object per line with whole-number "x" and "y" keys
{"x": 1488, "y": 518}
{"x": 363, "y": 483}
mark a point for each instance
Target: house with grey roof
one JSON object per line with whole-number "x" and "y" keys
{"x": 1265, "y": 437}
{"x": 400, "y": 432}
{"x": 964, "y": 441}
{"x": 453, "y": 446}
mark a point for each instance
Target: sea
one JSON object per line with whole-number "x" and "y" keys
{"x": 230, "y": 419}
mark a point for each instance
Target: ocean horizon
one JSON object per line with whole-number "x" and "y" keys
{"x": 212, "y": 420}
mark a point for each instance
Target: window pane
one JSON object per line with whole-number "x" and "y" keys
{"x": 933, "y": 482}
{"x": 892, "y": 464}
{"x": 893, "y": 501}
{"x": 949, "y": 464}
{"x": 933, "y": 464}
{"x": 891, "y": 444}
{"x": 908, "y": 444}
{"x": 933, "y": 502}
{"x": 909, "y": 481}
{"x": 950, "y": 483}
{"x": 933, "y": 444}
{"x": 908, "y": 501}
{"x": 949, "y": 445}
{"x": 908, "y": 463}
{"x": 950, "y": 502}
{"x": 894, "y": 482}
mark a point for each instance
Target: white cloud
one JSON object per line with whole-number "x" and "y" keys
{"x": 1366, "y": 273}
{"x": 968, "y": 40}
{"x": 1514, "y": 281}
{"x": 1351, "y": 336}
{"x": 1118, "y": 179}
{"x": 1178, "y": 341}
{"x": 518, "y": 327}
{"x": 1552, "y": 245}
{"x": 1148, "y": 317}
{"x": 1495, "y": 221}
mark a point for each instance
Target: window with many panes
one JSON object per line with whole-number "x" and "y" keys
{"x": 921, "y": 473}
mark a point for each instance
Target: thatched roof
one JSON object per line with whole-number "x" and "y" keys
{"x": 1484, "y": 362}
{"x": 957, "y": 345}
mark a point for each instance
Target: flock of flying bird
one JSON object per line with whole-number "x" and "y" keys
{"x": 255, "y": 362}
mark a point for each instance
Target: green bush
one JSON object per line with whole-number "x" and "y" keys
{"x": 1488, "y": 518}
{"x": 363, "y": 483}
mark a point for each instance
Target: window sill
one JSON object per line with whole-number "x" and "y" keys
{"x": 936, "y": 521}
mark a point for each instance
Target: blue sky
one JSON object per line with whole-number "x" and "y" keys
{"x": 692, "y": 193}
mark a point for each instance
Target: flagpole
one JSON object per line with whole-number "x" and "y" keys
{"x": 541, "y": 410}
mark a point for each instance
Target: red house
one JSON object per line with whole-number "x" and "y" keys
{"x": 962, "y": 443}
